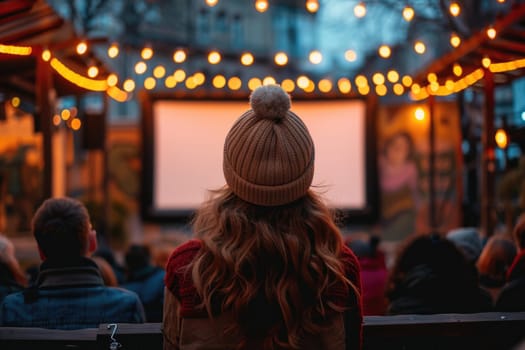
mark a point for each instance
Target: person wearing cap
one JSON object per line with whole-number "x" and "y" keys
{"x": 69, "y": 292}
{"x": 268, "y": 268}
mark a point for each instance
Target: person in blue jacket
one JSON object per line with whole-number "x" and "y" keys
{"x": 69, "y": 292}
{"x": 146, "y": 280}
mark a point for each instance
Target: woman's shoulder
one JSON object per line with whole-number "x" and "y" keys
{"x": 184, "y": 254}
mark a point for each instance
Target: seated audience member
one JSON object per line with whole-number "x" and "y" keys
{"x": 511, "y": 296}
{"x": 269, "y": 268}
{"x": 104, "y": 252}
{"x": 107, "y": 272}
{"x": 146, "y": 280}
{"x": 468, "y": 240}
{"x": 69, "y": 292}
{"x": 431, "y": 275}
{"x": 374, "y": 274}
{"x": 493, "y": 263}
{"x": 12, "y": 278}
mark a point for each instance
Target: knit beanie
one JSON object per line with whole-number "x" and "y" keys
{"x": 268, "y": 152}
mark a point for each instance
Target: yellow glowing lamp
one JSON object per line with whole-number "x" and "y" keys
{"x": 344, "y": 85}
{"x": 303, "y": 82}
{"x": 420, "y": 47}
{"x": 261, "y": 5}
{"x": 360, "y": 10}
{"x": 315, "y": 57}
{"x": 113, "y": 51}
{"x": 350, "y": 55}
{"x": 384, "y": 51}
{"x": 288, "y": 85}
{"x": 454, "y": 9}
{"x": 234, "y": 83}
{"x": 455, "y": 40}
{"x": 501, "y": 138}
{"x": 269, "y": 81}
{"x": 325, "y": 85}
{"x": 214, "y": 57}
{"x": 179, "y": 56}
{"x": 491, "y": 32}
{"x": 408, "y": 13}
{"x": 219, "y": 81}
{"x": 146, "y": 53}
{"x": 247, "y": 59}
{"x": 82, "y": 47}
{"x": 280, "y": 58}
{"x": 419, "y": 114}
{"x": 312, "y": 6}
{"x": 254, "y": 83}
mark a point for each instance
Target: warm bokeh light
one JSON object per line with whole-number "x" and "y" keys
{"x": 325, "y": 85}
{"x": 303, "y": 81}
{"x": 199, "y": 78}
{"x": 92, "y": 71}
{"x": 190, "y": 83}
{"x": 254, "y": 83}
{"x": 419, "y": 114}
{"x": 82, "y": 47}
{"x": 170, "y": 82}
{"x": 15, "y": 102}
{"x": 406, "y": 80}
{"x": 214, "y": 57}
{"x": 234, "y": 83}
{"x": 491, "y": 32}
{"x": 398, "y": 89}
{"x": 129, "y": 85}
{"x": 247, "y": 59}
{"x": 360, "y": 81}
{"x": 112, "y": 79}
{"x": 261, "y": 5}
{"x": 146, "y": 53}
{"x": 78, "y": 79}
{"x": 350, "y": 55}
{"x": 485, "y": 62}
{"x": 420, "y": 47}
{"x": 46, "y": 55}
{"x": 65, "y": 114}
{"x": 449, "y": 85}
{"x": 363, "y": 90}
{"x": 384, "y": 51}
{"x": 269, "y": 81}
{"x": 219, "y": 81}
{"x": 501, "y": 138}
{"x": 150, "y": 83}
{"x": 455, "y": 40}
{"x": 457, "y": 70}
{"x": 454, "y": 9}
{"x": 113, "y": 51}
{"x": 280, "y": 58}
{"x": 416, "y": 89}
{"x": 312, "y": 6}
{"x": 141, "y": 67}
{"x": 381, "y": 90}
{"x": 344, "y": 85}
{"x": 310, "y": 88}
{"x": 288, "y": 85}
{"x": 16, "y": 50}
{"x": 408, "y": 13}
{"x": 179, "y": 56}
{"x": 159, "y": 72}
{"x": 360, "y": 10}
{"x": 378, "y": 78}
{"x": 76, "y": 124}
{"x": 179, "y": 75}
{"x": 392, "y": 76}
{"x": 212, "y": 3}
{"x": 56, "y": 120}
{"x": 315, "y": 57}
{"x": 431, "y": 77}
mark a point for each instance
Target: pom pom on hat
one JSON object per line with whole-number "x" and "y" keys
{"x": 270, "y": 101}
{"x": 268, "y": 152}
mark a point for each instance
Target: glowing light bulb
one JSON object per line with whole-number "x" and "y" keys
{"x": 312, "y": 5}
{"x": 454, "y": 9}
{"x": 408, "y": 13}
{"x": 214, "y": 57}
{"x": 315, "y": 57}
{"x": 179, "y": 56}
{"x": 146, "y": 53}
{"x": 261, "y": 5}
{"x": 491, "y": 32}
{"x": 420, "y": 47}
{"x": 360, "y": 10}
{"x": 247, "y": 59}
{"x": 384, "y": 51}
{"x": 455, "y": 40}
{"x": 212, "y": 3}
{"x": 82, "y": 48}
{"x": 113, "y": 51}
{"x": 350, "y": 55}
{"x": 419, "y": 114}
{"x": 92, "y": 71}
{"x": 281, "y": 58}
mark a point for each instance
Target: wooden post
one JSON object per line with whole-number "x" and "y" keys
{"x": 488, "y": 159}
{"x": 431, "y": 167}
{"x": 44, "y": 89}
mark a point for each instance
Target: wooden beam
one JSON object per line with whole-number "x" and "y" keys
{"x": 470, "y": 45}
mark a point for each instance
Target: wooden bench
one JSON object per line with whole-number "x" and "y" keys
{"x": 484, "y": 331}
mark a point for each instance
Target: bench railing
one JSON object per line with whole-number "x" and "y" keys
{"x": 485, "y": 331}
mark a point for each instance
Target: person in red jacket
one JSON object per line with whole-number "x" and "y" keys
{"x": 269, "y": 268}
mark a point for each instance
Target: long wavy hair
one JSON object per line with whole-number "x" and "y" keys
{"x": 269, "y": 266}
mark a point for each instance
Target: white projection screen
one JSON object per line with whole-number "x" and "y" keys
{"x": 184, "y": 143}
